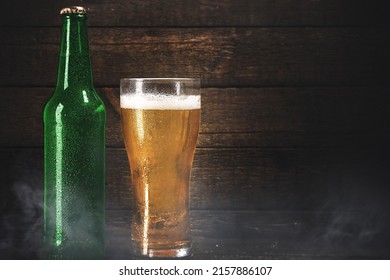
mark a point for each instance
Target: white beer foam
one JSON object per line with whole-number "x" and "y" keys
{"x": 160, "y": 102}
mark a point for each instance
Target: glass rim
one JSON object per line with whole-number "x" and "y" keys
{"x": 160, "y": 79}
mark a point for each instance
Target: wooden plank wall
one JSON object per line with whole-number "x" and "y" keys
{"x": 295, "y": 98}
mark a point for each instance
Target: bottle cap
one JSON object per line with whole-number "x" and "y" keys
{"x": 73, "y": 10}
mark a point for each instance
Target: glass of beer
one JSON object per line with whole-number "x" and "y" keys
{"x": 160, "y": 121}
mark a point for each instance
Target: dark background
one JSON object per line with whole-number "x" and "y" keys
{"x": 293, "y": 158}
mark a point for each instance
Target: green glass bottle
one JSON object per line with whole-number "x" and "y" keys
{"x": 74, "y": 151}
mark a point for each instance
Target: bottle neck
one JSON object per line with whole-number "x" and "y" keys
{"x": 74, "y": 69}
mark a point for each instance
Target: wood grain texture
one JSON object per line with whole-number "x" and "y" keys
{"x": 202, "y": 13}
{"x": 340, "y": 234}
{"x": 235, "y": 179}
{"x": 293, "y": 154}
{"x": 234, "y": 117}
{"x": 222, "y": 57}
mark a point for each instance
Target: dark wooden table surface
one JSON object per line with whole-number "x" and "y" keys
{"x": 233, "y": 235}
{"x": 293, "y": 155}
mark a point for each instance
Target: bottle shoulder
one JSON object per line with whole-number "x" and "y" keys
{"x": 76, "y": 98}
{"x": 74, "y": 102}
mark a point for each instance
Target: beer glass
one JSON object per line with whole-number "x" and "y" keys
{"x": 160, "y": 121}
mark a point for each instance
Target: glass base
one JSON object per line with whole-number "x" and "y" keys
{"x": 162, "y": 253}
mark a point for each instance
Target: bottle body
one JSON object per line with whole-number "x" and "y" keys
{"x": 74, "y": 158}
{"x": 74, "y": 179}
